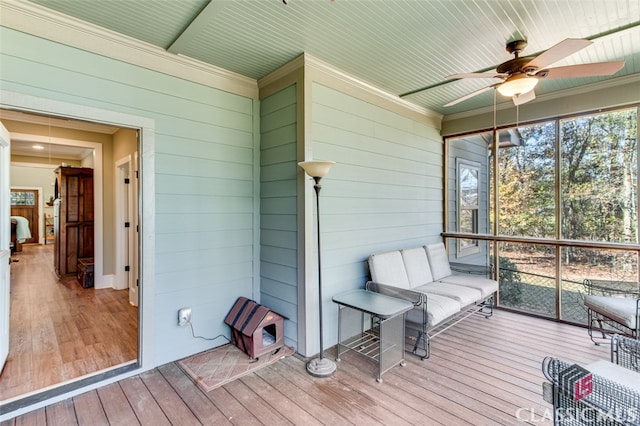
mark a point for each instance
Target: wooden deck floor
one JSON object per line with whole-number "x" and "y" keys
{"x": 481, "y": 372}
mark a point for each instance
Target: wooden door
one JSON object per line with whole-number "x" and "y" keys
{"x": 74, "y": 218}
{"x": 24, "y": 202}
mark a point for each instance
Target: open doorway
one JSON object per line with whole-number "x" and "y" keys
{"x": 68, "y": 326}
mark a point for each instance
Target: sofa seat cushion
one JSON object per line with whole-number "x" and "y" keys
{"x": 486, "y": 286}
{"x": 463, "y": 295}
{"x": 388, "y": 268}
{"x": 439, "y": 308}
{"x": 619, "y": 309}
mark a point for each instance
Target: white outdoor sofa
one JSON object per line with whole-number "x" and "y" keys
{"x": 423, "y": 276}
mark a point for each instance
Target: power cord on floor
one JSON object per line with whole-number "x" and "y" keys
{"x": 193, "y": 333}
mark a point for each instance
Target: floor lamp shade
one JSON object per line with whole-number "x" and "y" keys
{"x": 316, "y": 168}
{"x": 321, "y": 366}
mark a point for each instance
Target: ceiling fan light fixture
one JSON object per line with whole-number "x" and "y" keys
{"x": 518, "y": 84}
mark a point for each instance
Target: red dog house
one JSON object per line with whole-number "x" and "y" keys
{"x": 255, "y": 329}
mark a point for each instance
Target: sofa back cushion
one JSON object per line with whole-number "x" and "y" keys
{"x": 417, "y": 266}
{"x": 438, "y": 260}
{"x": 388, "y": 268}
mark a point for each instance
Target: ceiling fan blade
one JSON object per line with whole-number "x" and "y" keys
{"x": 559, "y": 51}
{"x": 478, "y": 75}
{"x": 470, "y": 95}
{"x": 524, "y": 98}
{"x": 584, "y": 70}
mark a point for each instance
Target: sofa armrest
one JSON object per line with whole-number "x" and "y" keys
{"x": 629, "y": 289}
{"x": 419, "y": 300}
{"x": 625, "y": 352}
{"x": 415, "y": 297}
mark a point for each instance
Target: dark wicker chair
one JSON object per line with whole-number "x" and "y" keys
{"x": 601, "y": 393}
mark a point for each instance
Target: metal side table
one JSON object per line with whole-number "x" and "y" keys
{"x": 372, "y": 324}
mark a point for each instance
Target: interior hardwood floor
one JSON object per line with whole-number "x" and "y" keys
{"x": 60, "y": 331}
{"x": 481, "y": 372}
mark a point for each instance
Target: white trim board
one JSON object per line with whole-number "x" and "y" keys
{"x": 36, "y": 20}
{"x": 326, "y": 74}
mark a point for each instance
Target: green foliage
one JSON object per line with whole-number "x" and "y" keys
{"x": 599, "y": 175}
{"x": 510, "y": 283}
{"x": 527, "y": 183}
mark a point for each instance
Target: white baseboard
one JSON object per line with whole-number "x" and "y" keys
{"x": 106, "y": 281}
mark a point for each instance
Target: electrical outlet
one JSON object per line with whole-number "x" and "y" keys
{"x": 184, "y": 316}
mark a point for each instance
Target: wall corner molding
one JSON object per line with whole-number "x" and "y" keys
{"x": 319, "y": 71}
{"x": 38, "y": 21}
{"x": 282, "y": 72}
{"x": 324, "y": 73}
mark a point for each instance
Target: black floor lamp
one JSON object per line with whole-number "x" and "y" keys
{"x": 321, "y": 366}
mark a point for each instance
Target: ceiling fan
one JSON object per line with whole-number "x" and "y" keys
{"x": 520, "y": 75}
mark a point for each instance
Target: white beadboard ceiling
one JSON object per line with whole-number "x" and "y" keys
{"x": 399, "y": 46}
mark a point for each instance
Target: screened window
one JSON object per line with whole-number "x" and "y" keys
{"x": 599, "y": 177}
{"x": 562, "y": 197}
{"x": 468, "y": 203}
{"x": 526, "y": 181}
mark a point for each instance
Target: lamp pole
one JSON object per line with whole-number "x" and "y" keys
{"x": 321, "y": 366}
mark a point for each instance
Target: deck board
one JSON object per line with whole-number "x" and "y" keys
{"x": 280, "y": 380}
{"x": 143, "y": 403}
{"x": 289, "y": 410}
{"x": 331, "y": 394}
{"x": 61, "y": 413}
{"x": 116, "y": 406}
{"x": 171, "y": 404}
{"x": 481, "y": 372}
{"x": 405, "y": 405}
{"x": 204, "y": 410}
{"x": 34, "y": 418}
{"x": 89, "y": 409}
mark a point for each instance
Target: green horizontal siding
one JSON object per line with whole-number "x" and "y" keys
{"x": 278, "y": 229}
{"x": 385, "y": 192}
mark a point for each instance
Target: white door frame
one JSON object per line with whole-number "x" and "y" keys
{"x": 126, "y": 247}
{"x": 5, "y": 236}
{"x": 146, "y": 331}
{"x": 123, "y": 214}
{"x": 134, "y": 235}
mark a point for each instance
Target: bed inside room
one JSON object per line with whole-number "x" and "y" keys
{"x": 24, "y": 217}
{"x": 20, "y": 232}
